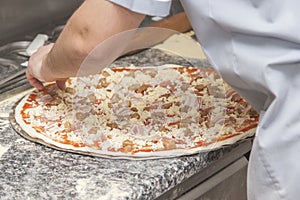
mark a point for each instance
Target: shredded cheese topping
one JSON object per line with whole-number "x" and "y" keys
{"x": 140, "y": 109}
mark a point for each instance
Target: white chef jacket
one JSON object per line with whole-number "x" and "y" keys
{"x": 255, "y": 45}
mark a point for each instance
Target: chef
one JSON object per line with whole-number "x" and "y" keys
{"x": 254, "y": 44}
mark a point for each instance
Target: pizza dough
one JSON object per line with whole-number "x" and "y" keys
{"x": 138, "y": 113}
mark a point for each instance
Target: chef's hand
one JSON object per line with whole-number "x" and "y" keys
{"x": 38, "y": 70}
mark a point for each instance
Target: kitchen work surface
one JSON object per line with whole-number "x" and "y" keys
{"x": 33, "y": 171}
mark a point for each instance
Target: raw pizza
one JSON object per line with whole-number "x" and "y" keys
{"x": 138, "y": 112}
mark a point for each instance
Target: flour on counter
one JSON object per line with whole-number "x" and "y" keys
{"x": 86, "y": 187}
{"x": 3, "y": 150}
{"x": 4, "y": 115}
{"x": 3, "y": 123}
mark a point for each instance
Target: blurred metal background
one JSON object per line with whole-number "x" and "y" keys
{"x": 21, "y": 18}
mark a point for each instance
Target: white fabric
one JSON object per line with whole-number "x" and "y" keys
{"x": 149, "y": 7}
{"x": 255, "y": 45}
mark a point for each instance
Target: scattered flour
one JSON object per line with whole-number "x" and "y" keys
{"x": 86, "y": 188}
{"x": 3, "y": 150}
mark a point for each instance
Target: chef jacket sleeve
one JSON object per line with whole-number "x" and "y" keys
{"x": 255, "y": 45}
{"x": 148, "y": 7}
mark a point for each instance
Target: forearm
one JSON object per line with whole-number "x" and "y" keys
{"x": 91, "y": 24}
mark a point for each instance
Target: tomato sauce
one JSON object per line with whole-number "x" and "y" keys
{"x": 69, "y": 142}
{"x": 222, "y": 138}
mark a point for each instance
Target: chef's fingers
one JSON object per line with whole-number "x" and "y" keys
{"x": 33, "y": 81}
{"x": 61, "y": 84}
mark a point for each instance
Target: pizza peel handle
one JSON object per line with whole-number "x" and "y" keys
{"x": 37, "y": 42}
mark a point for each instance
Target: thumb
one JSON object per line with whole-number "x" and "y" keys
{"x": 61, "y": 84}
